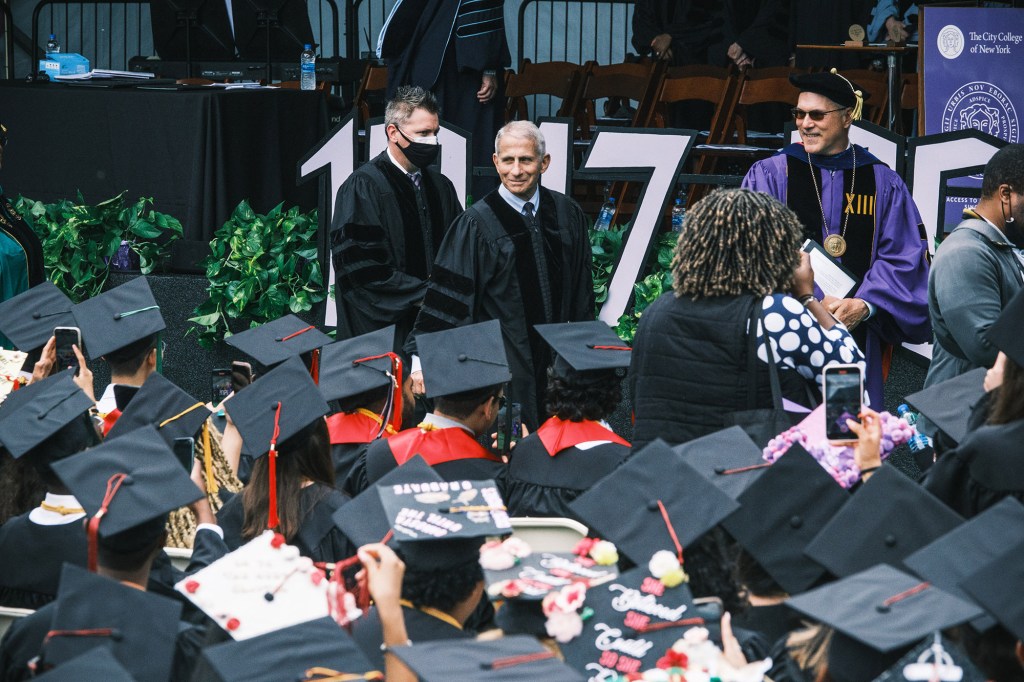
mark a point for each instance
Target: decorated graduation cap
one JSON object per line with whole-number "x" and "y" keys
{"x": 654, "y": 501}
{"x": 998, "y": 586}
{"x": 727, "y": 458}
{"x": 947, "y": 404}
{"x": 888, "y": 519}
{"x": 781, "y": 512}
{"x": 361, "y": 364}
{"x": 936, "y": 659}
{"x": 275, "y": 342}
{"x": 315, "y": 650}
{"x": 29, "y": 318}
{"x": 95, "y": 664}
{"x": 127, "y": 486}
{"x": 32, "y": 414}
{"x": 272, "y": 410}
{"x": 585, "y": 346}
{"x": 463, "y": 359}
{"x": 833, "y": 85}
{"x": 119, "y": 317}
{"x": 947, "y": 561}
{"x": 1005, "y": 334}
{"x": 510, "y": 658}
{"x": 139, "y": 628}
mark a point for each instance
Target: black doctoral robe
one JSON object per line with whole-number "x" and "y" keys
{"x": 384, "y": 238}
{"x": 421, "y": 627}
{"x": 486, "y": 270}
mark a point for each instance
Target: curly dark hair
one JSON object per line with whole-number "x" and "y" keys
{"x": 1006, "y": 167}
{"x": 735, "y": 241}
{"x": 576, "y": 397}
{"x": 752, "y": 576}
{"x": 441, "y": 589}
{"x": 709, "y": 563}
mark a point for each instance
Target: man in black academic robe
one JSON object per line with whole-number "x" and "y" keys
{"x": 390, "y": 217}
{"x": 520, "y": 255}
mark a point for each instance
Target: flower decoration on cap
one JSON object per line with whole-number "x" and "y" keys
{"x": 695, "y": 657}
{"x": 562, "y": 609}
{"x": 498, "y": 555}
{"x": 665, "y": 566}
{"x": 601, "y": 552}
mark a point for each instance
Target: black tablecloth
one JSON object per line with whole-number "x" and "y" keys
{"x": 196, "y": 152}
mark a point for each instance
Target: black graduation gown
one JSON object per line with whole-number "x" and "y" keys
{"x": 486, "y": 270}
{"x": 537, "y": 484}
{"x": 982, "y": 470}
{"x": 383, "y": 245}
{"x": 784, "y": 668}
{"x": 421, "y": 627}
{"x": 31, "y": 557}
{"x": 318, "y": 538}
{"x": 826, "y": 22}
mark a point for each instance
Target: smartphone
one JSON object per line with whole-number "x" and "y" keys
{"x": 220, "y": 385}
{"x": 510, "y": 430}
{"x": 844, "y": 390}
{"x": 185, "y": 451}
{"x": 66, "y": 337}
{"x": 241, "y": 375}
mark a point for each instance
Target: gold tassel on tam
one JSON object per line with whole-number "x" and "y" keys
{"x": 858, "y": 108}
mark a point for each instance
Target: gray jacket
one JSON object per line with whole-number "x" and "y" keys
{"x": 974, "y": 276}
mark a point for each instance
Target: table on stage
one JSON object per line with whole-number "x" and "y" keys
{"x": 197, "y": 151}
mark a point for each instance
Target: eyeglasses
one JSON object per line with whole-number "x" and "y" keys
{"x": 798, "y": 114}
{"x": 501, "y": 401}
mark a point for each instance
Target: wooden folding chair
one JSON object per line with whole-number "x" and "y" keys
{"x": 763, "y": 86}
{"x": 375, "y": 82}
{"x": 619, "y": 84}
{"x": 556, "y": 79}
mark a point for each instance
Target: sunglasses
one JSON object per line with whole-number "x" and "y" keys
{"x": 798, "y": 114}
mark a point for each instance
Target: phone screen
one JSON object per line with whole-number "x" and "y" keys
{"x": 184, "y": 450}
{"x": 220, "y": 385}
{"x": 842, "y": 401}
{"x": 65, "y": 338}
{"x": 509, "y": 430}
{"x": 241, "y": 375}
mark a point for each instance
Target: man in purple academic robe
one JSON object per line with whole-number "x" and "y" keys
{"x": 862, "y": 213}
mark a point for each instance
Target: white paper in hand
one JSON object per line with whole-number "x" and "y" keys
{"x": 831, "y": 277}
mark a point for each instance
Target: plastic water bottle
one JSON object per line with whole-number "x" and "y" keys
{"x": 907, "y": 414}
{"x": 919, "y": 442}
{"x": 307, "y": 68}
{"x": 678, "y": 213}
{"x": 604, "y": 218}
{"x": 53, "y": 45}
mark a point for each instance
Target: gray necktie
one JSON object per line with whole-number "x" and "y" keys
{"x": 540, "y": 256}
{"x": 417, "y": 179}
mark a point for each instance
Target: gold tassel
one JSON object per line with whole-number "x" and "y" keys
{"x": 212, "y": 487}
{"x": 858, "y": 108}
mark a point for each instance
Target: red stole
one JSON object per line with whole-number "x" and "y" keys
{"x": 437, "y": 445}
{"x": 558, "y": 435}
{"x": 109, "y": 419}
{"x": 361, "y": 426}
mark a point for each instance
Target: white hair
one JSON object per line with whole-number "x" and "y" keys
{"x": 522, "y": 130}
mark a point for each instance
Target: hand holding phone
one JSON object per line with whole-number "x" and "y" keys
{"x": 66, "y": 338}
{"x": 509, "y": 426}
{"x": 184, "y": 450}
{"x": 844, "y": 391}
{"x": 220, "y": 385}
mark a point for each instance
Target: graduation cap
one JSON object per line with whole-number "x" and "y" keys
{"x": 781, "y": 512}
{"x": 32, "y": 414}
{"x": 315, "y": 650}
{"x": 998, "y": 586}
{"x": 127, "y": 484}
{"x": 539, "y": 573}
{"x": 585, "y": 346}
{"x": 654, "y": 501}
{"x": 139, "y": 628}
{"x": 463, "y": 359}
{"x": 888, "y": 519}
{"x": 159, "y": 402}
{"x": 119, "y": 317}
{"x": 274, "y": 409}
{"x": 832, "y": 85}
{"x": 1005, "y": 334}
{"x": 96, "y": 664}
{"x": 727, "y": 458}
{"x": 967, "y": 548}
{"x": 510, "y": 658}
{"x": 361, "y": 364}
{"x": 884, "y": 608}
{"x": 29, "y": 318}
{"x": 937, "y": 659}
{"x": 947, "y": 404}
{"x": 275, "y": 342}
{"x": 262, "y": 586}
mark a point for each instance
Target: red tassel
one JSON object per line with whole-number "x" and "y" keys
{"x": 92, "y": 529}
{"x": 314, "y": 366}
{"x": 671, "y": 531}
{"x": 272, "y": 520}
{"x": 395, "y": 418}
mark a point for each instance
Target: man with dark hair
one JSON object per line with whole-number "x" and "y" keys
{"x": 390, "y": 217}
{"x": 977, "y": 270}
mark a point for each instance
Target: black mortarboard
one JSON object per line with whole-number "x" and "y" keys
{"x": 998, "y": 587}
{"x": 363, "y": 520}
{"x": 947, "y": 404}
{"x": 727, "y": 458}
{"x": 781, "y": 512}
{"x": 519, "y": 657}
{"x": 255, "y": 413}
{"x": 928, "y": 663}
{"x": 585, "y": 346}
{"x": 32, "y": 414}
{"x": 28, "y": 319}
{"x": 623, "y": 506}
{"x": 827, "y": 84}
{"x": 140, "y": 628}
{"x": 118, "y": 317}
{"x": 884, "y": 608}
{"x": 885, "y": 521}
{"x": 341, "y": 376}
{"x": 441, "y": 525}
{"x": 298, "y": 652}
{"x": 967, "y": 548}
{"x": 1005, "y": 334}
{"x": 159, "y": 402}
{"x": 279, "y": 340}
{"x": 95, "y": 664}
{"x": 463, "y": 359}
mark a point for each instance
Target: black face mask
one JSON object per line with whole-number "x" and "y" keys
{"x": 419, "y": 154}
